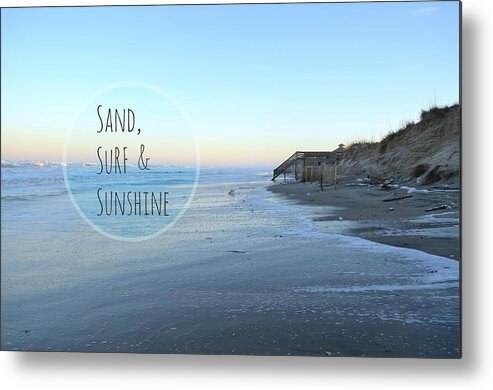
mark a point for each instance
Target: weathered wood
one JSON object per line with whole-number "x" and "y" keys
{"x": 335, "y": 176}
{"x": 303, "y": 156}
{"x": 442, "y": 207}
{"x": 398, "y": 198}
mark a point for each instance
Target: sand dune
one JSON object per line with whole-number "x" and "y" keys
{"x": 422, "y": 153}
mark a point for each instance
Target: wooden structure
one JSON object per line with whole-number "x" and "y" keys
{"x": 309, "y": 166}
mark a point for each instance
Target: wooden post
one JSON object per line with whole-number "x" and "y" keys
{"x": 322, "y": 178}
{"x": 335, "y": 176}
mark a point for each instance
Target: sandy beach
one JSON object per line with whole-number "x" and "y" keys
{"x": 358, "y": 209}
{"x": 243, "y": 272}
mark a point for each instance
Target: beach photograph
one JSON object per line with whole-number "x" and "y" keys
{"x": 242, "y": 179}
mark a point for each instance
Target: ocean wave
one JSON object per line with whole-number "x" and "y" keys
{"x": 31, "y": 196}
{"x": 35, "y": 183}
{"x": 12, "y": 164}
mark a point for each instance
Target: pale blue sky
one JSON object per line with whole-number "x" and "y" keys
{"x": 256, "y": 81}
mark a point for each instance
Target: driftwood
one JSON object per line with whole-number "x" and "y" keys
{"x": 398, "y": 198}
{"x": 442, "y": 207}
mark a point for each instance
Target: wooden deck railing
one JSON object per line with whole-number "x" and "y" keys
{"x": 330, "y": 156}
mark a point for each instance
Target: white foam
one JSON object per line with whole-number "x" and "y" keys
{"x": 381, "y": 287}
{"x": 411, "y": 190}
{"x": 436, "y": 218}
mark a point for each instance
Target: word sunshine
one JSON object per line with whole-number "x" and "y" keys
{"x": 132, "y": 203}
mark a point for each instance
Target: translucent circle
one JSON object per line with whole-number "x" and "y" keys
{"x": 131, "y": 162}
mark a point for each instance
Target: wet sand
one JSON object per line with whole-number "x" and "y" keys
{"x": 238, "y": 274}
{"x": 402, "y": 223}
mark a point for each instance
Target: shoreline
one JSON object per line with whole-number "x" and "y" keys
{"x": 254, "y": 279}
{"x": 362, "y": 210}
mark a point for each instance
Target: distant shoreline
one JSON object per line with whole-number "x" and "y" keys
{"x": 402, "y": 223}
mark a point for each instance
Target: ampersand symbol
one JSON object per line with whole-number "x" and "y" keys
{"x": 143, "y": 164}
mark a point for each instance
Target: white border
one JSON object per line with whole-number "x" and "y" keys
{"x": 474, "y": 371}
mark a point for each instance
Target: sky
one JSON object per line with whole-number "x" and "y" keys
{"x": 255, "y": 82}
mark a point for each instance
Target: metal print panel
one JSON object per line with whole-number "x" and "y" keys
{"x": 254, "y": 179}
